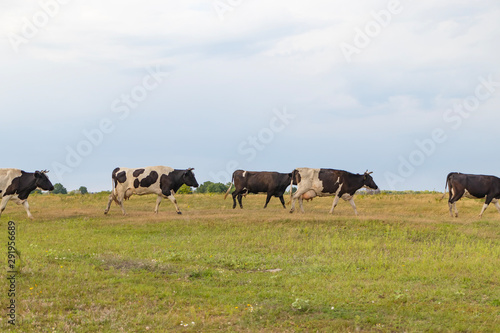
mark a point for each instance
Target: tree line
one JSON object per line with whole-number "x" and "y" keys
{"x": 60, "y": 189}
{"x": 206, "y": 187}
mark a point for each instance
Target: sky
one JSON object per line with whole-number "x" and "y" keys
{"x": 407, "y": 89}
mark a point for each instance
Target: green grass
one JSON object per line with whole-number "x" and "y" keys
{"x": 402, "y": 265}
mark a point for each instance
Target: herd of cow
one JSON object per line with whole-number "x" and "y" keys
{"x": 164, "y": 181}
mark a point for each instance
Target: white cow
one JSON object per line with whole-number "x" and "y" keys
{"x": 17, "y": 185}
{"x": 160, "y": 180}
{"x": 328, "y": 182}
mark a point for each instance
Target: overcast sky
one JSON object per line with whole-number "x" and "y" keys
{"x": 407, "y": 89}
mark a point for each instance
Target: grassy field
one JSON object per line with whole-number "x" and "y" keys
{"x": 402, "y": 265}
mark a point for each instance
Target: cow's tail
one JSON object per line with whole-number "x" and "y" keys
{"x": 113, "y": 183}
{"x": 446, "y": 186}
{"x": 230, "y": 187}
{"x": 293, "y": 182}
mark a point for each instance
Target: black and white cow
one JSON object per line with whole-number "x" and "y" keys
{"x": 272, "y": 183}
{"x": 472, "y": 186}
{"x": 328, "y": 182}
{"x": 17, "y": 185}
{"x": 161, "y": 180}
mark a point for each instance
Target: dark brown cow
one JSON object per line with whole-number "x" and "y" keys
{"x": 17, "y": 185}
{"x": 160, "y": 180}
{"x": 472, "y": 186}
{"x": 272, "y": 183}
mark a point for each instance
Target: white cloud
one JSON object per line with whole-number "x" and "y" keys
{"x": 228, "y": 75}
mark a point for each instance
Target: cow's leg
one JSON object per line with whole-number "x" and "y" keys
{"x": 158, "y": 201}
{"x": 172, "y": 198}
{"x": 267, "y": 199}
{"x": 486, "y": 203}
{"x": 301, "y": 205}
{"x": 235, "y": 194}
{"x": 240, "y": 197}
{"x": 119, "y": 201}
{"x": 301, "y": 201}
{"x": 292, "y": 205}
{"x": 482, "y": 210}
{"x": 351, "y": 201}
{"x": 5, "y": 200}
{"x": 26, "y": 206}
{"x": 298, "y": 195}
{"x": 335, "y": 202}
{"x": 238, "y": 194}
{"x": 450, "y": 206}
{"x": 282, "y": 201}
{"x": 455, "y": 195}
{"x": 111, "y": 198}
{"x": 495, "y": 202}
{"x": 455, "y": 208}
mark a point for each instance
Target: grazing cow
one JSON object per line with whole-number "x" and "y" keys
{"x": 161, "y": 180}
{"x": 272, "y": 183}
{"x": 328, "y": 182}
{"x": 17, "y": 185}
{"x": 472, "y": 186}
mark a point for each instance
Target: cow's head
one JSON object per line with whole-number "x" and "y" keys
{"x": 368, "y": 181}
{"x": 42, "y": 181}
{"x": 189, "y": 179}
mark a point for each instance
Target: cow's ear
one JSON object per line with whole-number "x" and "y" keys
{"x": 38, "y": 174}
{"x": 290, "y": 174}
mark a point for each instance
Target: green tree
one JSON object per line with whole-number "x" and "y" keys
{"x": 217, "y": 188}
{"x": 83, "y": 190}
{"x": 59, "y": 189}
{"x": 203, "y": 187}
{"x": 184, "y": 189}
{"x": 211, "y": 187}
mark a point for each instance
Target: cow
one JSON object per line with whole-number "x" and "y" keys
{"x": 472, "y": 186}
{"x": 328, "y": 182}
{"x": 160, "y": 180}
{"x": 17, "y": 185}
{"x": 270, "y": 182}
